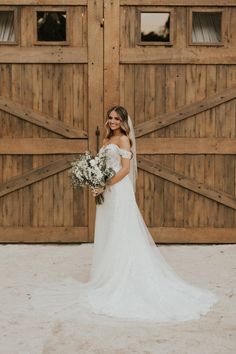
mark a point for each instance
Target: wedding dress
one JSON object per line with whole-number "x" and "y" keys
{"x": 129, "y": 279}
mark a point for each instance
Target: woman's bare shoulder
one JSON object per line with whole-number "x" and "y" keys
{"x": 124, "y": 142}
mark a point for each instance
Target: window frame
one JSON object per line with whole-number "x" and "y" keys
{"x": 155, "y": 10}
{"x": 52, "y": 9}
{"x": 15, "y": 10}
{"x": 190, "y": 27}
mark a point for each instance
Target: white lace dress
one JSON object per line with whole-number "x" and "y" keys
{"x": 129, "y": 278}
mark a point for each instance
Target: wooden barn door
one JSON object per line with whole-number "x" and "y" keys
{"x": 182, "y": 101}
{"x": 51, "y": 102}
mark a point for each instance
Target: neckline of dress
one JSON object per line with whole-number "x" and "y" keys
{"x": 112, "y": 144}
{"x": 104, "y": 146}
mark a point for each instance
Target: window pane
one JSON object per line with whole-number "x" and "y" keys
{"x": 206, "y": 27}
{"x": 51, "y": 26}
{"x": 155, "y": 26}
{"x": 7, "y": 33}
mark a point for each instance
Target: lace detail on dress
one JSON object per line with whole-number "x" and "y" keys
{"x": 126, "y": 154}
{"x": 114, "y": 154}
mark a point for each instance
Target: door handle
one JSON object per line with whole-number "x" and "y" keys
{"x": 97, "y": 133}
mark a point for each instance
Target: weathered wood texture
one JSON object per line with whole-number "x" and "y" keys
{"x": 180, "y": 52}
{"x": 61, "y": 234}
{"x": 186, "y": 134}
{"x": 44, "y": 2}
{"x": 96, "y": 87}
{"x": 35, "y": 175}
{"x": 152, "y": 146}
{"x": 161, "y": 91}
{"x": 57, "y": 234}
{"x": 186, "y": 182}
{"x": 111, "y": 53}
{"x": 43, "y": 118}
{"x": 192, "y": 235}
{"x": 187, "y": 111}
{"x": 53, "y": 97}
{"x": 41, "y": 146}
{"x": 177, "y": 56}
{"x": 39, "y": 119}
{"x": 178, "y": 2}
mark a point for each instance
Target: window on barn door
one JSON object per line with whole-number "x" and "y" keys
{"x": 51, "y": 27}
{"x": 155, "y": 27}
{"x": 8, "y": 27}
{"x": 206, "y": 27}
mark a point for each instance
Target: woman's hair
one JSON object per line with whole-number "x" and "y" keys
{"x": 123, "y": 114}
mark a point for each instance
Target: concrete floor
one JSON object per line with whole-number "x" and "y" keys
{"x": 24, "y": 267}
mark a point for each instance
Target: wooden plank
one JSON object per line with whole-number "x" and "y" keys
{"x": 158, "y": 55}
{"x": 35, "y": 55}
{"x": 44, "y": 2}
{"x": 134, "y": 98}
{"x": 200, "y": 202}
{"x": 95, "y": 88}
{"x": 179, "y": 2}
{"x": 17, "y": 129}
{"x": 38, "y": 146}
{"x": 35, "y": 175}
{"x": 193, "y": 235}
{"x": 185, "y": 112}
{"x": 111, "y": 53}
{"x": 80, "y": 234}
{"x": 186, "y": 182}
{"x": 179, "y": 129}
{"x": 189, "y": 131}
{"x": 152, "y": 146}
{"x": 169, "y": 160}
{"x": 40, "y": 119}
{"x": 43, "y": 234}
{"x": 148, "y": 110}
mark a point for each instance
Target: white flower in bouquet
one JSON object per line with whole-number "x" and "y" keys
{"x": 93, "y": 162}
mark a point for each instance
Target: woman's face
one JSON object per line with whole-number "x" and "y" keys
{"x": 114, "y": 120}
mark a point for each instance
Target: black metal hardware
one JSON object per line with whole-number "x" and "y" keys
{"x": 97, "y": 135}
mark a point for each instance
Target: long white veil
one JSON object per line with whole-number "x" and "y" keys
{"x": 133, "y": 163}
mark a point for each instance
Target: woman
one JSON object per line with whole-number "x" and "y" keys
{"x": 129, "y": 277}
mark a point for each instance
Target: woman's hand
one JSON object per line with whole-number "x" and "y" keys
{"x": 98, "y": 190}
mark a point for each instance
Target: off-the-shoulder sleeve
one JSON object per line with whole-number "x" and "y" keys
{"x": 126, "y": 154}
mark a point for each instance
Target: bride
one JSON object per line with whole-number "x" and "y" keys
{"x": 129, "y": 277}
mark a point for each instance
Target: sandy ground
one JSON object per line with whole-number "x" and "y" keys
{"x": 24, "y": 267}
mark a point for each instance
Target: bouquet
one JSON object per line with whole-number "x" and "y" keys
{"x": 91, "y": 171}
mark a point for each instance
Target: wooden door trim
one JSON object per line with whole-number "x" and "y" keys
{"x": 186, "y": 182}
{"x": 178, "y": 2}
{"x": 45, "y": 2}
{"x": 42, "y": 146}
{"x": 111, "y": 53}
{"x": 193, "y": 234}
{"x": 95, "y": 88}
{"x": 40, "y": 119}
{"x": 60, "y": 234}
{"x": 187, "y": 111}
{"x": 57, "y": 234}
{"x": 57, "y": 54}
{"x": 35, "y": 175}
{"x": 159, "y": 55}
{"x": 152, "y": 146}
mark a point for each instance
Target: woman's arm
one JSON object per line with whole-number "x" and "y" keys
{"x": 124, "y": 144}
{"x": 125, "y": 162}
